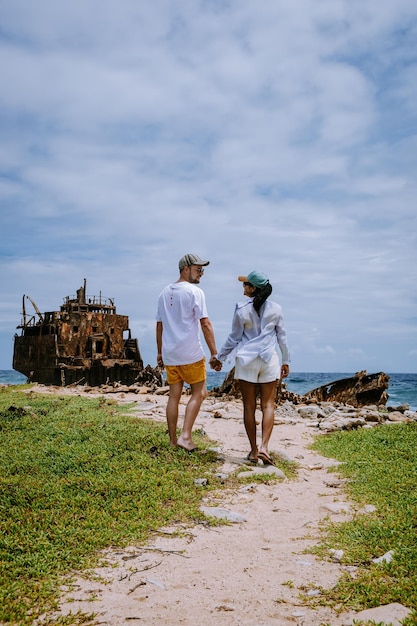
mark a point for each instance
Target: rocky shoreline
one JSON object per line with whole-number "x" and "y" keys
{"x": 324, "y": 416}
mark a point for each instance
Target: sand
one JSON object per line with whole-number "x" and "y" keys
{"x": 247, "y": 573}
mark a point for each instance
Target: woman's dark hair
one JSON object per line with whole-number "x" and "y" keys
{"x": 261, "y": 294}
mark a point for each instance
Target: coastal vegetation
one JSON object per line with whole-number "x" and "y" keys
{"x": 380, "y": 466}
{"x": 80, "y": 475}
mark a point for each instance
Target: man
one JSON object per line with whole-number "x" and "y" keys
{"x": 181, "y": 312}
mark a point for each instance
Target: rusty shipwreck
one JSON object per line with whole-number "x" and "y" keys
{"x": 85, "y": 342}
{"x": 362, "y": 389}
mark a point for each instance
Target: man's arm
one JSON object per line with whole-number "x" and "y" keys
{"x": 208, "y": 332}
{"x": 159, "y": 359}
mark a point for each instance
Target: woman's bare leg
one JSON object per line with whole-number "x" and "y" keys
{"x": 268, "y": 392}
{"x": 248, "y": 391}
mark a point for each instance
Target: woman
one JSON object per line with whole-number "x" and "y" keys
{"x": 257, "y": 331}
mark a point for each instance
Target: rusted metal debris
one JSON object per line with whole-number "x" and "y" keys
{"x": 85, "y": 342}
{"x": 362, "y": 389}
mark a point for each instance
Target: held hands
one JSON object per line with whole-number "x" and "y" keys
{"x": 215, "y": 364}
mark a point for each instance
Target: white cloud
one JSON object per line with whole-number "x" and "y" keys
{"x": 278, "y": 136}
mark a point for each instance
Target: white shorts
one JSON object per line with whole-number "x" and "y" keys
{"x": 257, "y": 371}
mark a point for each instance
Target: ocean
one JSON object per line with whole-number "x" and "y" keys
{"x": 402, "y": 387}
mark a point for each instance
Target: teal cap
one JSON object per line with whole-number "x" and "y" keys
{"x": 257, "y": 279}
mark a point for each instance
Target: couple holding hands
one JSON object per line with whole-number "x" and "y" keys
{"x": 257, "y": 332}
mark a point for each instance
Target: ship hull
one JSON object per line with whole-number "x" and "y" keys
{"x": 85, "y": 342}
{"x": 35, "y": 358}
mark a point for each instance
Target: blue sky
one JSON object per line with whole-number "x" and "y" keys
{"x": 277, "y": 136}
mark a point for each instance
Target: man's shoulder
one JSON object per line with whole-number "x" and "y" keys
{"x": 191, "y": 288}
{"x": 165, "y": 289}
{"x": 182, "y": 286}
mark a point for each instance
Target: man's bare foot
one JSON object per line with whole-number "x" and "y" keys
{"x": 187, "y": 445}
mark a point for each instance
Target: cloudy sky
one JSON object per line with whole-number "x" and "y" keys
{"x": 274, "y": 135}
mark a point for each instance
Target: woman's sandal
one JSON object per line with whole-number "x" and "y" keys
{"x": 251, "y": 459}
{"x": 265, "y": 458}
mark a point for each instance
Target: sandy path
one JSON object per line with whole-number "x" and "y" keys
{"x": 248, "y": 573}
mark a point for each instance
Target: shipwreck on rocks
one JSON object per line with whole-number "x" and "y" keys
{"x": 360, "y": 390}
{"x": 85, "y": 342}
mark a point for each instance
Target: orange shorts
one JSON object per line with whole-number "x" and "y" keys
{"x": 190, "y": 374}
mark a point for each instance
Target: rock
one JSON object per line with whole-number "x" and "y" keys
{"x": 337, "y": 555}
{"x": 162, "y": 391}
{"x": 248, "y": 488}
{"x": 262, "y": 469}
{"x": 334, "y": 482}
{"x": 401, "y": 408}
{"x": 385, "y": 558}
{"x": 392, "y": 614}
{"x": 313, "y": 592}
{"x": 222, "y": 477}
{"x": 283, "y": 456}
{"x": 316, "y": 466}
{"x": 219, "y": 513}
{"x": 288, "y": 410}
{"x": 370, "y": 415}
{"x": 311, "y": 412}
{"x": 143, "y": 390}
{"x": 368, "y": 508}
{"x": 201, "y": 482}
{"x": 339, "y": 421}
{"x": 397, "y": 416}
{"x": 217, "y": 406}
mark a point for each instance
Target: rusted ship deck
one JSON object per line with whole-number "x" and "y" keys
{"x": 85, "y": 342}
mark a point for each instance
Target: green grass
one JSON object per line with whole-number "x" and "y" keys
{"x": 78, "y": 476}
{"x": 381, "y": 465}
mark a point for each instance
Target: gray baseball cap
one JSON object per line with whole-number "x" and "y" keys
{"x": 191, "y": 259}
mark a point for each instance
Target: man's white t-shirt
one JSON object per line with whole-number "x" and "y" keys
{"x": 181, "y": 306}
